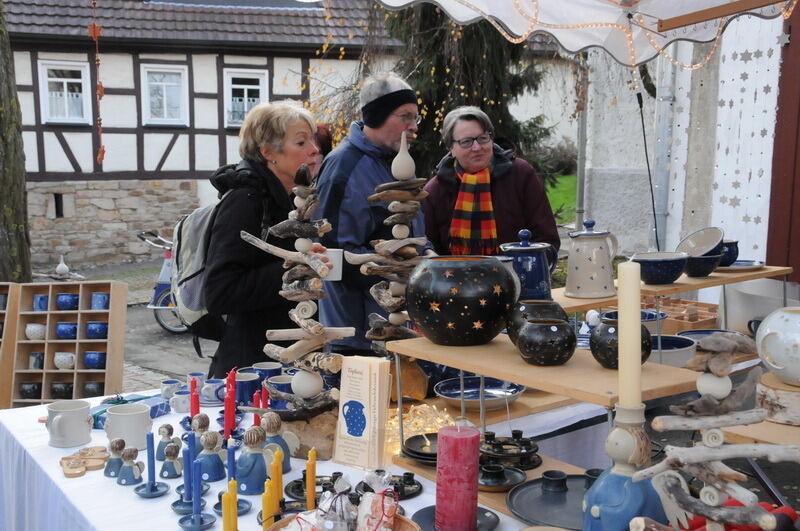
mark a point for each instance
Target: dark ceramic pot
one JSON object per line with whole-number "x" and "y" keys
{"x": 604, "y": 344}
{"x": 730, "y": 252}
{"x": 460, "y": 300}
{"x": 61, "y": 390}
{"x": 547, "y": 342}
{"x": 532, "y": 309}
{"x": 30, "y": 390}
{"x": 93, "y": 389}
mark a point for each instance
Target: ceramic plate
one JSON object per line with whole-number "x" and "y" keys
{"x": 742, "y": 265}
{"x": 495, "y": 392}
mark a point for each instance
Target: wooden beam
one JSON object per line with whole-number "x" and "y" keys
{"x": 704, "y": 15}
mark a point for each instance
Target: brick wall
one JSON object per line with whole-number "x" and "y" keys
{"x": 95, "y": 222}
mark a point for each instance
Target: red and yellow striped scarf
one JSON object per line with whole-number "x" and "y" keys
{"x": 473, "y": 229}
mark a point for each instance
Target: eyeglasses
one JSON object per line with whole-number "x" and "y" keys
{"x": 410, "y": 118}
{"x": 466, "y": 143}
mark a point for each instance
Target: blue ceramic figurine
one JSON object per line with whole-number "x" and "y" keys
{"x": 131, "y": 471}
{"x": 173, "y": 464}
{"x": 114, "y": 463}
{"x": 166, "y": 431}
{"x": 287, "y": 441}
{"x": 211, "y": 465}
{"x": 251, "y": 467}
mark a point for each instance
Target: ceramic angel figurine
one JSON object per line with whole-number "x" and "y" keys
{"x": 211, "y": 468}
{"x": 131, "y": 471}
{"x": 114, "y": 463}
{"x": 251, "y": 467}
{"x": 287, "y": 440}
{"x": 166, "y": 431}
{"x": 173, "y": 463}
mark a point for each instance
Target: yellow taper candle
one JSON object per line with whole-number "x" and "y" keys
{"x": 276, "y": 475}
{"x": 630, "y": 335}
{"x": 233, "y": 492}
{"x": 226, "y": 512}
{"x": 266, "y": 505}
{"x": 311, "y": 480}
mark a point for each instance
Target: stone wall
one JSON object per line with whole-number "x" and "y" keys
{"x": 97, "y": 221}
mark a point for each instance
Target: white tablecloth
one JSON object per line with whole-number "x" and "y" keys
{"x": 35, "y": 495}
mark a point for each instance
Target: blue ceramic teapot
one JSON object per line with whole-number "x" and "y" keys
{"x": 531, "y": 266}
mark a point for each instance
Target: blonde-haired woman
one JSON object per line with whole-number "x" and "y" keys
{"x": 242, "y": 282}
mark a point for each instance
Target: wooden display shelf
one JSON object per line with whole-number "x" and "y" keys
{"x": 530, "y": 402}
{"x": 685, "y": 283}
{"x": 764, "y": 432}
{"x": 572, "y": 304}
{"x": 492, "y": 500}
{"x": 581, "y": 378}
{"x": 16, "y": 347}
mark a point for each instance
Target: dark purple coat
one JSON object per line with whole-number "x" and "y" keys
{"x": 518, "y": 199}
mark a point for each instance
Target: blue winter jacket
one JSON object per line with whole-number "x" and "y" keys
{"x": 348, "y": 175}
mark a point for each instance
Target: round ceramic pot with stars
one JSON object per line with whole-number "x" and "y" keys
{"x": 604, "y": 343}
{"x": 460, "y": 300}
{"x": 547, "y": 342}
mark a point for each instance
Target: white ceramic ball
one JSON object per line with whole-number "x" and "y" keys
{"x": 716, "y": 386}
{"x": 397, "y": 318}
{"x": 306, "y": 384}
{"x": 299, "y": 202}
{"x": 303, "y": 245}
{"x": 400, "y": 231}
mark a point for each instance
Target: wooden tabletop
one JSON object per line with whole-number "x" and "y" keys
{"x": 764, "y": 432}
{"x": 572, "y": 304}
{"x": 492, "y": 500}
{"x": 581, "y": 378}
{"x": 716, "y": 278}
{"x": 530, "y": 402}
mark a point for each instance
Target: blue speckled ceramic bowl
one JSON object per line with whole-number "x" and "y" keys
{"x": 649, "y": 319}
{"x": 675, "y": 350}
{"x": 702, "y": 266}
{"x": 96, "y": 330}
{"x": 661, "y": 268}
{"x": 67, "y": 301}
{"x": 730, "y": 252}
{"x": 703, "y": 241}
{"x": 66, "y": 330}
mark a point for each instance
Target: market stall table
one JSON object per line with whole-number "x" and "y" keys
{"x": 36, "y": 495}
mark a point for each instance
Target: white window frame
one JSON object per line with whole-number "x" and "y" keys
{"x": 183, "y": 70}
{"x": 44, "y": 91}
{"x": 229, "y": 74}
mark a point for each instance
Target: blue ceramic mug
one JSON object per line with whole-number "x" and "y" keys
{"x": 67, "y": 301}
{"x": 169, "y": 388}
{"x": 40, "y": 303}
{"x": 246, "y": 385}
{"x": 3, "y": 301}
{"x": 66, "y": 330}
{"x": 36, "y": 361}
{"x": 94, "y": 359}
{"x": 96, "y": 330}
{"x": 282, "y": 383}
{"x": 268, "y": 369}
{"x": 100, "y": 300}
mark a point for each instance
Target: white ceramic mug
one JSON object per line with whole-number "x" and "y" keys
{"x": 335, "y": 256}
{"x": 64, "y": 360}
{"x": 180, "y": 402}
{"x": 69, "y": 423}
{"x": 130, "y": 422}
{"x": 35, "y": 331}
{"x": 169, "y": 387}
{"x": 199, "y": 376}
{"x": 213, "y": 391}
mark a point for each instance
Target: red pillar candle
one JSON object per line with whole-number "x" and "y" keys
{"x": 457, "y": 479}
{"x": 256, "y": 403}
{"x": 194, "y": 399}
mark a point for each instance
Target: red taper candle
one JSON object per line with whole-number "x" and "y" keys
{"x": 264, "y": 397}
{"x": 230, "y": 399}
{"x": 457, "y": 479}
{"x": 256, "y": 403}
{"x": 194, "y": 399}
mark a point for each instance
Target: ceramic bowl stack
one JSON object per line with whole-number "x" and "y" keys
{"x": 422, "y": 448}
{"x": 705, "y": 248}
{"x": 650, "y": 319}
{"x": 497, "y": 393}
{"x": 674, "y": 350}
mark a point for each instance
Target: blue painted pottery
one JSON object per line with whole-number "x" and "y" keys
{"x": 704, "y": 241}
{"x": 547, "y": 342}
{"x": 661, "y": 268}
{"x": 66, "y": 330}
{"x": 649, "y": 318}
{"x": 40, "y": 303}
{"x": 496, "y": 392}
{"x": 531, "y": 265}
{"x": 67, "y": 301}
{"x": 100, "y": 300}
{"x": 730, "y": 252}
{"x": 354, "y": 418}
{"x": 702, "y": 266}
{"x": 604, "y": 343}
{"x": 97, "y": 330}
{"x": 94, "y": 359}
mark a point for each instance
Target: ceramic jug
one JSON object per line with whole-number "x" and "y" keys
{"x": 531, "y": 266}
{"x": 589, "y": 266}
{"x": 354, "y": 418}
{"x": 777, "y": 339}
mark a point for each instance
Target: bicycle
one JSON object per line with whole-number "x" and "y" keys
{"x": 162, "y": 303}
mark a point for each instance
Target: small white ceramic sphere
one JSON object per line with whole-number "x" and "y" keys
{"x": 397, "y": 318}
{"x": 716, "y": 386}
{"x": 306, "y": 384}
{"x": 400, "y": 231}
{"x": 303, "y": 245}
{"x": 299, "y": 202}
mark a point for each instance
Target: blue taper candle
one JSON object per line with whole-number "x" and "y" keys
{"x": 151, "y": 461}
{"x": 197, "y": 491}
{"x": 231, "y": 460}
{"x": 190, "y": 440}
{"x": 187, "y": 475}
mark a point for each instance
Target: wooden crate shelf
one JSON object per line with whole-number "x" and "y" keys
{"x": 16, "y": 347}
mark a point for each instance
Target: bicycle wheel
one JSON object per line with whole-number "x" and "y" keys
{"x": 169, "y": 319}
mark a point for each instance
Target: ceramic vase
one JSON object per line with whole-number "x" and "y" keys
{"x": 532, "y": 309}
{"x": 604, "y": 343}
{"x": 777, "y": 341}
{"x": 460, "y": 300}
{"x": 547, "y": 342}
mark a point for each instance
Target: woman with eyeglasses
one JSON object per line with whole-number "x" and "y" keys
{"x": 481, "y": 195}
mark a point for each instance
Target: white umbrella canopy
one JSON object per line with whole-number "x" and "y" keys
{"x": 629, "y": 30}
